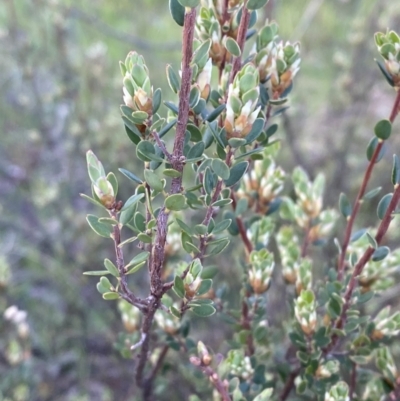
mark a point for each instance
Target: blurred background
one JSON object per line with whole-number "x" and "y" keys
{"x": 60, "y": 91}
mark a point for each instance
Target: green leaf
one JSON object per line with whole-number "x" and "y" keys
{"x": 170, "y": 172}
{"x": 139, "y": 221}
{"x": 177, "y": 12}
{"x": 271, "y": 130}
{"x": 383, "y": 206}
{"x": 91, "y": 200}
{"x": 135, "y": 268}
{"x": 184, "y": 226}
{"x": 195, "y": 133}
{"x": 173, "y": 107}
{"x": 102, "y": 229}
{"x": 130, "y": 175}
{"x": 132, "y": 201}
{"x": 201, "y": 52}
{"x": 127, "y": 215}
{"x": 111, "y": 267}
{"x": 110, "y": 296}
{"x": 383, "y": 129}
{"x": 371, "y": 149}
{"x": 203, "y": 310}
{"x": 265, "y": 395}
{"x": 232, "y": 46}
{"x": 175, "y": 202}
{"x": 175, "y": 312}
{"x": 139, "y": 258}
{"x": 372, "y": 241}
{"x": 145, "y": 151}
{"x": 216, "y": 112}
{"x": 221, "y": 226}
{"x": 250, "y": 152}
{"x": 236, "y": 173}
{"x": 222, "y": 202}
{"x": 179, "y": 287}
{"x": 358, "y": 234}
{"x": 396, "y": 170}
{"x": 218, "y": 246}
{"x": 167, "y": 127}
{"x": 173, "y": 79}
{"x": 144, "y": 238}
{"x": 130, "y": 132}
{"x": 194, "y": 97}
{"x": 153, "y": 180}
{"x": 256, "y": 130}
{"x": 205, "y": 286}
{"x": 112, "y": 179}
{"x": 220, "y": 168}
{"x": 196, "y": 151}
{"x": 189, "y": 3}
{"x": 345, "y": 205}
{"x": 139, "y": 117}
{"x": 96, "y": 273}
{"x": 380, "y": 253}
{"x": 385, "y": 73}
{"x": 256, "y": 4}
{"x": 156, "y": 100}
{"x": 104, "y": 285}
{"x": 372, "y": 193}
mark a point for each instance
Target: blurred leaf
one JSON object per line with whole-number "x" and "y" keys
{"x": 177, "y": 11}
{"x": 383, "y": 206}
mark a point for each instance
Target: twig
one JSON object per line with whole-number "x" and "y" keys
{"x": 119, "y": 256}
{"x": 161, "y": 145}
{"x": 306, "y": 240}
{"x": 353, "y": 381}
{"x": 289, "y": 385}
{"x": 213, "y": 376}
{"x": 357, "y": 202}
{"x": 148, "y": 383}
{"x": 241, "y": 227}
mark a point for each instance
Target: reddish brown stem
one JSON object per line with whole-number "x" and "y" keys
{"x": 306, "y": 241}
{"x": 213, "y": 377}
{"x": 289, "y": 385}
{"x": 241, "y": 227}
{"x": 353, "y": 381}
{"x": 361, "y": 192}
{"x": 382, "y": 229}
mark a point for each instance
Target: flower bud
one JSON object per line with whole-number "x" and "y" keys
{"x": 305, "y": 311}
{"x": 241, "y": 106}
{"x": 262, "y": 266}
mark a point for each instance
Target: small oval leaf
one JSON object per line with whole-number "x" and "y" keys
{"x": 383, "y": 205}
{"x": 383, "y": 129}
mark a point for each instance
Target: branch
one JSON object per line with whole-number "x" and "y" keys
{"x": 289, "y": 385}
{"x": 177, "y": 160}
{"x": 241, "y": 227}
{"x": 357, "y": 203}
{"x": 241, "y": 38}
{"x": 126, "y": 292}
{"x": 177, "y": 154}
{"x": 382, "y": 229}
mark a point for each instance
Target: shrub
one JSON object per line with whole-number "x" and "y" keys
{"x": 217, "y": 181}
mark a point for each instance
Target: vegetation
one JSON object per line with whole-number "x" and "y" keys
{"x": 228, "y": 277}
